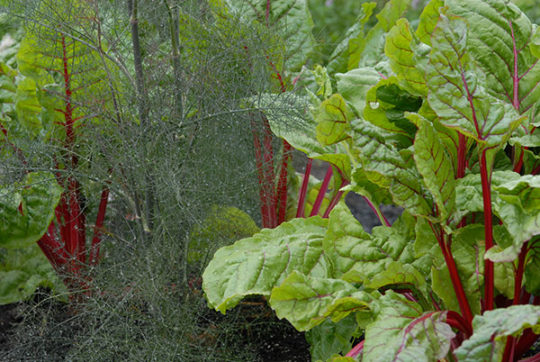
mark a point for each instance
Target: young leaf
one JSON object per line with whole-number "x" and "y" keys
{"x": 402, "y": 332}
{"x": 353, "y": 41}
{"x": 428, "y": 21}
{"x": 289, "y": 119}
{"x": 26, "y": 214}
{"x": 492, "y": 329}
{"x": 333, "y": 120}
{"x": 307, "y": 301}
{"x": 435, "y": 166}
{"x": 398, "y": 48}
{"x": 257, "y": 264}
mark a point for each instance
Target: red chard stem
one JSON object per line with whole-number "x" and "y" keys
{"x": 322, "y": 191}
{"x": 300, "y": 211}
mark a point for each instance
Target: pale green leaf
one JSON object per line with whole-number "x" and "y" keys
{"x": 385, "y": 166}
{"x": 492, "y": 329}
{"x": 333, "y": 120}
{"x": 257, "y": 264}
{"x": 26, "y": 210}
{"x": 428, "y": 21}
{"x": 456, "y": 88}
{"x": 354, "y": 84}
{"x": 398, "y": 48}
{"x": 307, "y": 301}
{"x": 435, "y": 166}
{"x": 402, "y": 332}
{"x": 513, "y": 73}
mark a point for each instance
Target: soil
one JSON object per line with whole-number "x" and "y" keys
{"x": 9, "y": 319}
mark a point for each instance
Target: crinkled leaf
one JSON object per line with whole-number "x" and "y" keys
{"x": 360, "y": 257}
{"x": 27, "y": 211}
{"x": 354, "y": 84}
{"x": 428, "y": 21}
{"x": 307, "y": 301}
{"x": 399, "y": 274}
{"x": 362, "y": 186}
{"x": 22, "y": 270}
{"x": 435, "y": 166}
{"x": 456, "y": 88}
{"x": 402, "y": 332}
{"x": 513, "y": 73}
{"x": 329, "y": 338}
{"x": 398, "y": 48}
{"x": 504, "y": 278}
{"x": 493, "y": 327}
{"x": 528, "y": 140}
{"x": 514, "y": 201}
{"x": 333, "y": 120}
{"x": 257, "y": 264}
{"x": 385, "y": 166}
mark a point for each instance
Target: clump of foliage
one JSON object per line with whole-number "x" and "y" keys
{"x": 440, "y": 119}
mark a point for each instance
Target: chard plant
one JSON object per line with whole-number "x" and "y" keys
{"x": 59, "y": 83}
{"x": 440, "y": 119}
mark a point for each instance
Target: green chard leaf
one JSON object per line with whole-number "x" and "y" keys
{"x": 398, "y": 49}
{"x": 25, "y": 213}
{"x": 22, "y": 270}
{"x": 257, "y": 264}
{"x": 428, "y": 21}
{"x": 376, "y": 260}
{"x": 289, "y": 118}
{"x": 468, "y": 254}
{"x": 402, "y": 332}
{"x": 353, "y": 41}
{"x": 385, "y": 166}
{"x": 513, "y": 73}
{"x": 354, "y": 84}
{"x": 307, "y": 301}
{"x": 492, "y": 329}
{"x": 532, "y": 269}
{"x": 456, "y": 91}
{"x": 386, "y": 104}
{"x": 329, "y": 338}
{"x": 514, "y": 201}
{"x": 333, "y": 120}
{"x": 435, "y": 166}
